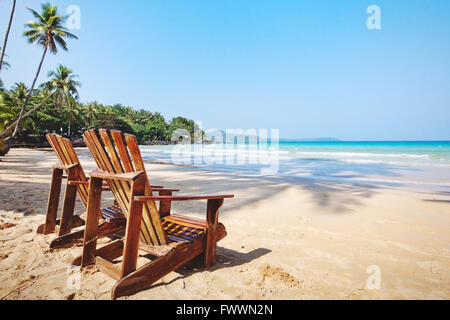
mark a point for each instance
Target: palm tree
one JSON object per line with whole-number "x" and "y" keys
{"x": 90, "y": 111}
{"x": 5, "y": 64}
{"x": 70, "y": 114}
{"x": 6, "y": 113}
{"x": 18, "y": 94}
{"x": 44, "y": 96}
{"x": 47, "y": 31}
{"x": 63, "y": 87}
{"x": 5, "y": 42}
{"x": 63, "y": 84}
{"x": 14, "y": 98}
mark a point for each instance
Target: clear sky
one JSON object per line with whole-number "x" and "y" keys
{"x": 309, "y": 68}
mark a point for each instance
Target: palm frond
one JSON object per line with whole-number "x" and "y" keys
{"x": 36, "y": 15}
{"x": 48, "y": 29}
{"x": 60, "y": 42}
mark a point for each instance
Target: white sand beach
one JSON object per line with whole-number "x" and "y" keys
{"x": 287, "y": 238}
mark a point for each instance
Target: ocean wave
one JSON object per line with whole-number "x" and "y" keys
{"x": 293, "y": 157}
{"x": 363, "y": 154}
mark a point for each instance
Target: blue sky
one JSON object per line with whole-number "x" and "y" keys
{"x": 309, "y": 68}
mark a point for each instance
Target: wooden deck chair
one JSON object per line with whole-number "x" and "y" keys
{"x": 112, "y": 218}
{"x": 170, "y": 239}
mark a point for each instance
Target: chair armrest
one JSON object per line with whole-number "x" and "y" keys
{"x": 65, "y": 167}
{"x": 78, "y": 183}
{"x": 86, "y": 183}
{"x": 105, "y": 184}
{"x": 129, "y": 176}
{"x": 164, "y": 190}
{"x": 182, "y": 198}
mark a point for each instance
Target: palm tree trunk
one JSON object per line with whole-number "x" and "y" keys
{"x": 7, "y": 34}
{"x": 29, "y": 97}
{"x": 26, "y": 115}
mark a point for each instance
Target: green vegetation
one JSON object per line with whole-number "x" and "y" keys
{"x": 28, "y": 113}
{"x": 54, "y": 107}
{"x": 47, "y": 31}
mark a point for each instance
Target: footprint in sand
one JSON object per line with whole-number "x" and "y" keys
{"x": 6, "y": 225}
{"x": 279, "y": 275}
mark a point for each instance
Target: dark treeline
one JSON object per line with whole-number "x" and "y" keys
{"x": 71, "y": 118}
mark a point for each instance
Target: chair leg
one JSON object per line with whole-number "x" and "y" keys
{"x": 105, "y": 229}
{"x": 53, "y": 201}
{"x": 165, "y": 205}
{"x": 91, "y": 229}
{"x": 69, "y": 202}
{"x": 145, "y": 276}
{"x": 211, "y": 232}
{"x": 134, "y": 220}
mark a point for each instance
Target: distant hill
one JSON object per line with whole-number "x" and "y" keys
{"x": 313, "y": 140}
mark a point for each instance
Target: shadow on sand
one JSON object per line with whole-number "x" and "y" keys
{"x": 226, "y": 258}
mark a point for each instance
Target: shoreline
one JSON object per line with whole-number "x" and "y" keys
{"x": 300, "y": 238}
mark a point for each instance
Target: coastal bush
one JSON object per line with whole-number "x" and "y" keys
{"x": 71, "y": 120}
{"x": 3, "y": 148}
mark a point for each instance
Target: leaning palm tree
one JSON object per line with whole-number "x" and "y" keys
{"x": 62, "y": 87}
{"x": 4, "y": 64}
{"x": 5, "y": 42}
{"x": 47, "y": 31}
{"x": 43, "y": 96}
{"x": 14, "y": 98}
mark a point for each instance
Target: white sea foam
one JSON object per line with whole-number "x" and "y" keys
{"x": 407, "y": 164}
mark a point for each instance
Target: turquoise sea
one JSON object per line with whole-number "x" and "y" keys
{"x": 416, "y": 163}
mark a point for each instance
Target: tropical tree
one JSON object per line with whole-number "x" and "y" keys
{"x": 5, "y": 42}
{"x": 13, "y": 99}
{"x": 90, "y": 111}
{"x": 63, "y": 84}
{"x": 44, "y": 97}
{"x": 48, "y": 32}
{"x": 6, "y": 112}
{"x": 62, "y": 88}
{"x": 181, "y": 123}
{"x": 17, "y": 95}
{"x": 156, "y": 128}
{"x": 70, "y": 114}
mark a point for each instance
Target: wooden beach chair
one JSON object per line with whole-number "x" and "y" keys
{"x": 112, "y": 218}
{"x": 171, "y": 240}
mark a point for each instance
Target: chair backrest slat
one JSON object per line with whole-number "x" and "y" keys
{"x": 135, "y": 152}
{"x": 115, "y": 152}
{"x": 101, "y": 158}
{"x": 127, "y": 166}
{"x": 66, "y": 154}
{"x": 82, "y": 189}
{"x": 118, "y": 138}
